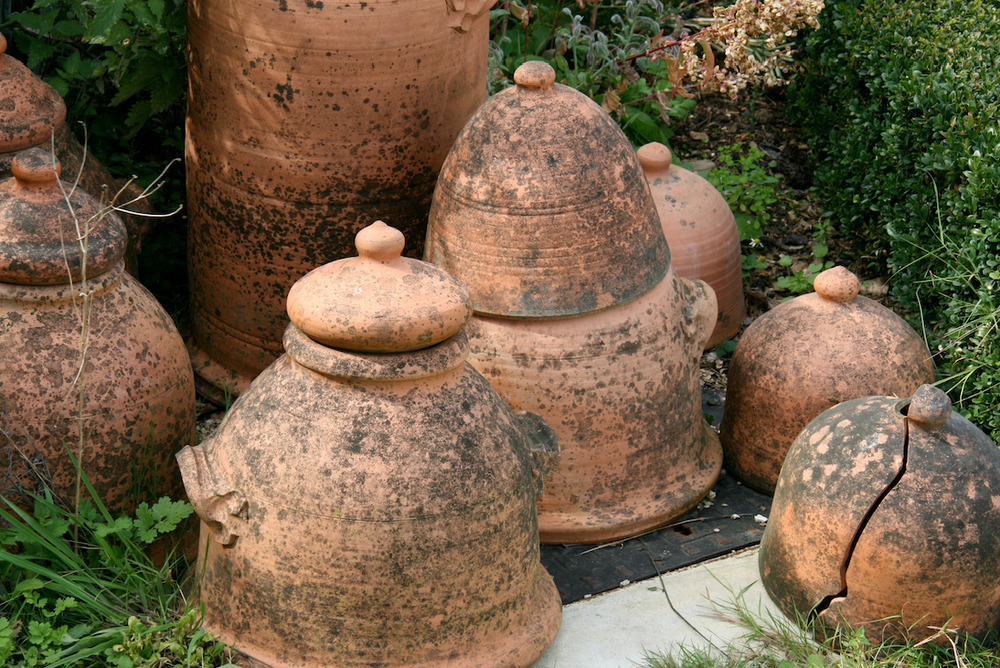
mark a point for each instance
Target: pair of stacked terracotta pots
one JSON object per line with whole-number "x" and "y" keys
{"x": 543, "y": 210}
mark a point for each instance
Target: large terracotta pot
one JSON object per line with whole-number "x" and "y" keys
{"x": 805, "y": 356}
{"x": 34, "y": 115}
{"x": 887, "y": 515}
{"x": 543, "y": 210}
{"x": 374, "y": 503}
{"x": 306, "y": 119}
{"x": 139, "y": 404}
{"x": 702, "y": 234}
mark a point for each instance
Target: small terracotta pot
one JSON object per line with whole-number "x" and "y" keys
{"x": 34, "y": 115}
{"x": 375, "y": 508}
{"x": 346, "y": 112}
{"x": 702, "y": 234}
{"x": 885, "y": 516}
{"x": 805, "y": 356}
{"x": 139, "y": 391}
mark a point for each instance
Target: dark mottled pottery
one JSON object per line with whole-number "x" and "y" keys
{"x": 375, "y": 508}
{"x": 139, "y": 404}
{"x": 807, "y": 355}
{"x": 306, "y": 121}
{"x": 887, "y": 516}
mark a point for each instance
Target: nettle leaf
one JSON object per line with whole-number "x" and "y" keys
{"x": 145, "y": 16}
{"x": 39, "y": 53}
{"x": 59, "y": 83}
{"x": 69, "y": 28}
{"x": 106, "y": 15}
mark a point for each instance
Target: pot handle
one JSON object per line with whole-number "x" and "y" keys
{"x": 223, "y": 509}
{"x": 461, "y": 13}
{"x": 543, "y": 446}
{"x": 701, "y": 309}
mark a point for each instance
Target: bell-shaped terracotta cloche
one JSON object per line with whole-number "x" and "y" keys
{"x": 702, "y": 234}
{"x": 369, "y": 499}
{"x": 65, "y": 299}
{"x": 541, "y": 207}
{"x": 33, "y": 114}
{"x": 805, "y": 356}
{"x": 887, "y": 515}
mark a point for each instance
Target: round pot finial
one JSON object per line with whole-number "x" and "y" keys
{"x": 3, "y": 44}
{"x": 655, "y": 157}
{"x": 379, "y": 242}
{"x": 535, "y": 74}
{"x": 837, "y": 284}
{"x": 930, "y": 407}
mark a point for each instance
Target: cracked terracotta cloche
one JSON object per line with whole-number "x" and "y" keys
{"x": 542, "y": 208}
{"x": 702, "y": 234}
{"x": 139, "y": 406}
{"x": 369, "y": 499}
{"x": 806, "y": 355}
{"x": 887, "y": 515}
{"x": 33, "y": 114}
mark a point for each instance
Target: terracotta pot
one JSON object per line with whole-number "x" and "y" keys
{"x": 34, "y": 115}
{"x": 542, "y": 208}
{"x": 702, "y": 234}
{"x": 805, "y": 356}
{"x": 579, "y": 317}
{"x": 621, "y": 390}
{"x": 139, "y": 390}
{"x": 375, "y": 508}
{"x": 885, "y": 516}
{"x": 346, "y": 112}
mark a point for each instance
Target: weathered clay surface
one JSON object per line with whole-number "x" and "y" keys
{"x": 886, "y": 516}
{"x": 32, "y": 114}
{"x": 139, "y": 405}
{"x": 307, "y": 120}
{"x": 374, "y": 509}
{"x": 808, "y": 355}
{"x": 621, "y": 390}
{"x": 702, "y": 234}
{"x": 541, "y": 217}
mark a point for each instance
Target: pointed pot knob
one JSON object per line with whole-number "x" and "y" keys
{"x": 379, "y": 302}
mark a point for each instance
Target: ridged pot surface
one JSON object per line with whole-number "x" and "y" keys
{"x": 386, "y": 523}
{"x": 702, "y": 234}
{"x": 621, "y": 389}
{"x": 542, "y": 208}
{"x": 886, "y": 515}
{"x": 138, "y": 405}
{"x": 805, "y": 356}
{"x": 345, "y": 114}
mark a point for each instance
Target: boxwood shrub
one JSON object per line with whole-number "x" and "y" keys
{"x": 901, "y": 102}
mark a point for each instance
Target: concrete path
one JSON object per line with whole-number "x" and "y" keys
{"x": 617, "y": 629}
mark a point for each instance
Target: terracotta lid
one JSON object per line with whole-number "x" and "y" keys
{"x": 38, "y": 235}
{"x": 379, "y": 302}
{"x": 542, "y": 207}
{"x": 31, "y": 108}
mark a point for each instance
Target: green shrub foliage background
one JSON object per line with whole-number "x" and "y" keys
{"x": 902, "y": 103}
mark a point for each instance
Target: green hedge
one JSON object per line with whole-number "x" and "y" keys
{"x": 901, "y": 103}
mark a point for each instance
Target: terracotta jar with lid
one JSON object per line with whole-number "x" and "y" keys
{"x": 369, "y": 499}
{"x": 886, "y": 515}
{"x": 306, "y": 119}
{"x": 138, "y": 407}
{"x": 702, "y": 234}
{"x": 805, "y": 356}
{"x": 34, "y": 115}
{"x": 579, "y": 316}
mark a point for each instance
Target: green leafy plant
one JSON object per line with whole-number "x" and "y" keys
{"x": 742, "y": 176}
{"x": 802, "y": 281}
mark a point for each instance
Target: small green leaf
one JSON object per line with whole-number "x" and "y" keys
{"x": 820, "y": 250}
{"x": 785, "y": 261}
